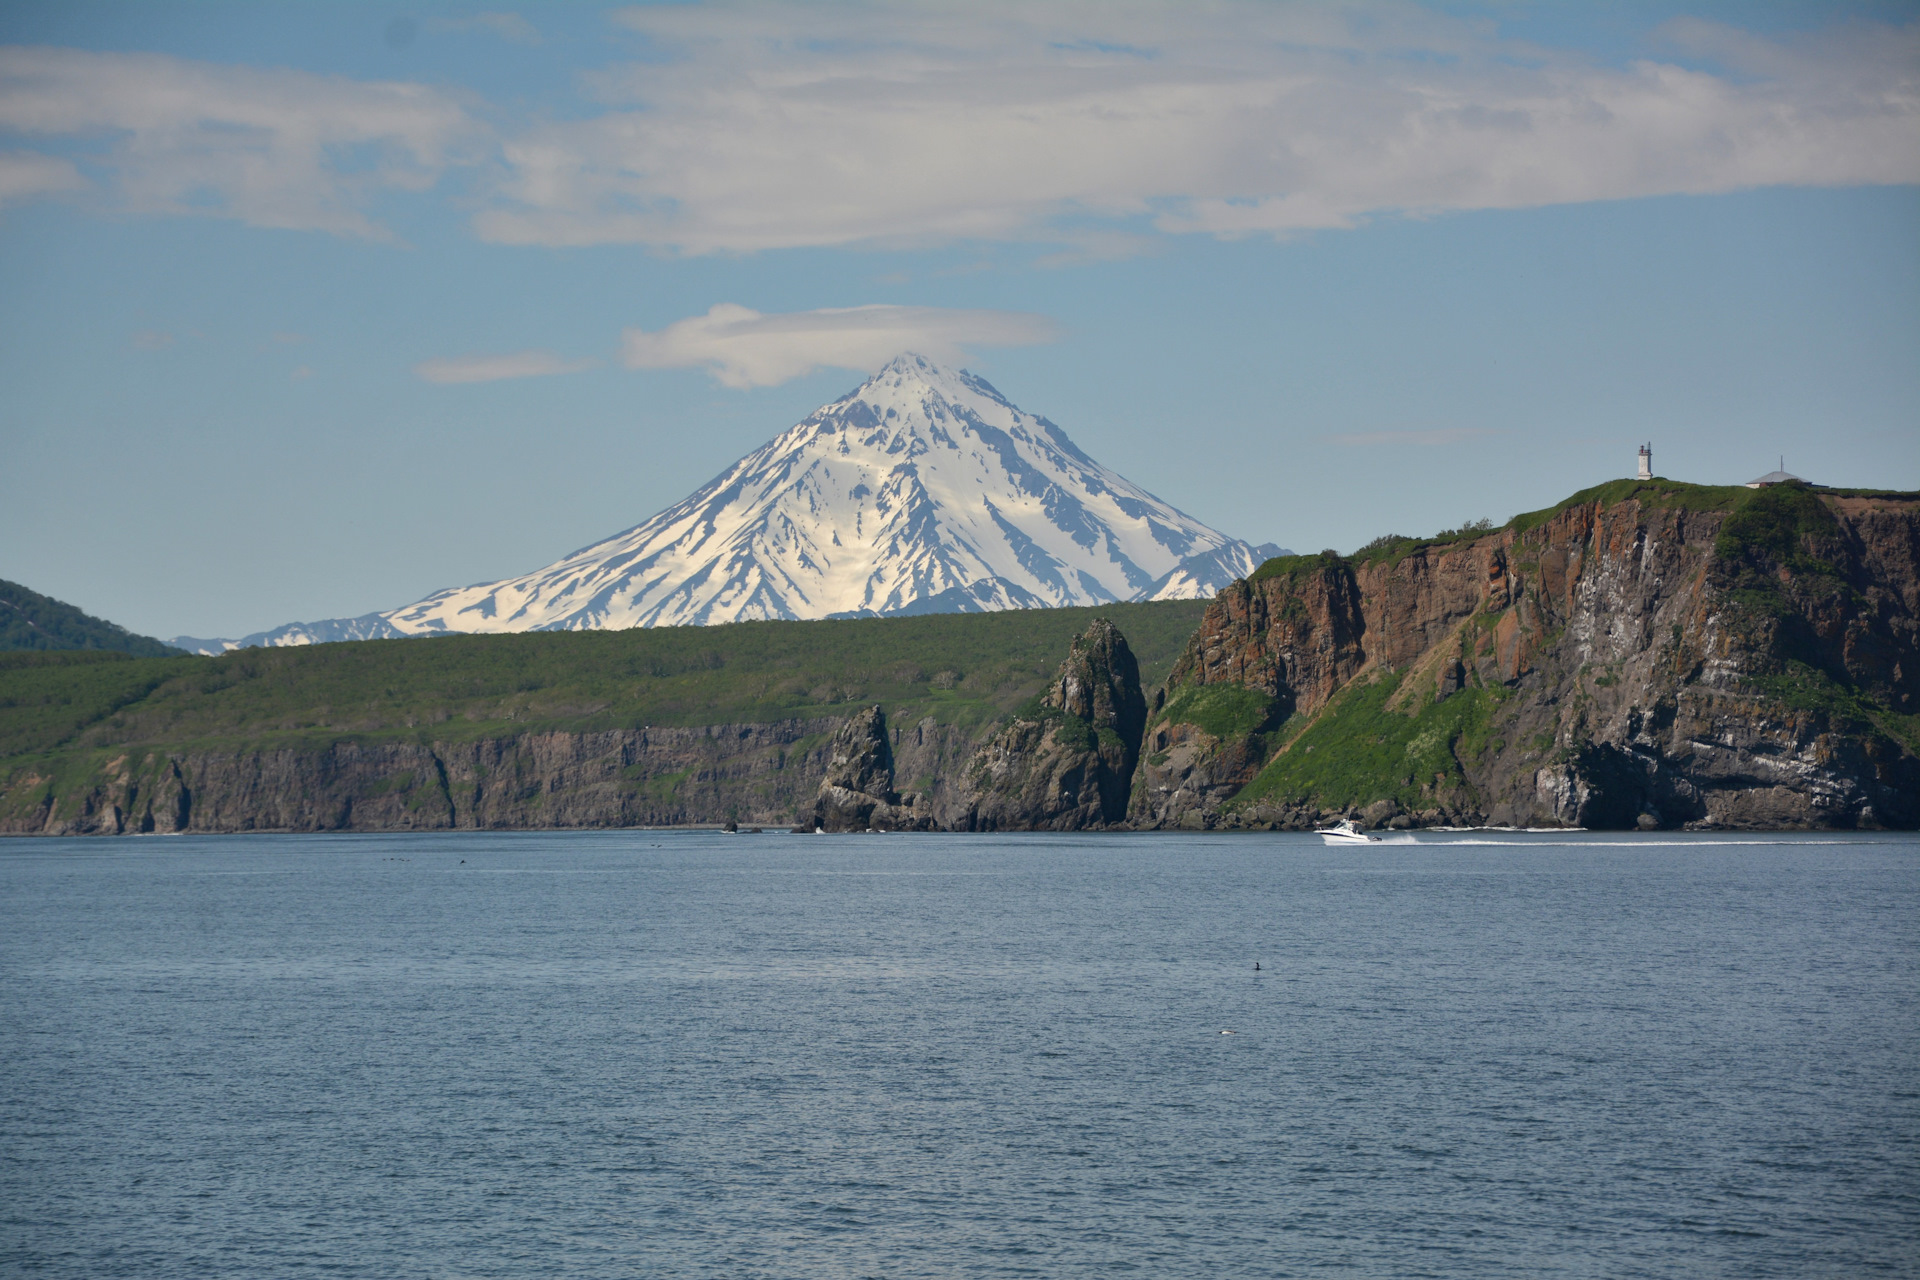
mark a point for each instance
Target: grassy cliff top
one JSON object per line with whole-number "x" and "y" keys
{"x": 1294, "y": 566}
{"x": 964, "y": 669}
{"x": 1656, "y": 494}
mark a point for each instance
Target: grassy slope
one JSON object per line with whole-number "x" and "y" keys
{"x": 1361, "y": 750}
{"x": 964, "y": 669}
{"x": 31, "y": 621}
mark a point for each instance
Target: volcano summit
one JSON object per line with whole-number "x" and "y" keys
{"x": 923, "y": 491}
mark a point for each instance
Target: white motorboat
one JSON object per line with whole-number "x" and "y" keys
{"x": 1344, "y": 832}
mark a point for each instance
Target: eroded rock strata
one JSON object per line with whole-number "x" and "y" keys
{"x": 1677, "y": 657}
{"x": 753, "y": 774}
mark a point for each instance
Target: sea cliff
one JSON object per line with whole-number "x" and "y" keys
{"x": 1644, "y": 655}
{"x": 1650, "y": 655}
{"x": 648, "y": 727}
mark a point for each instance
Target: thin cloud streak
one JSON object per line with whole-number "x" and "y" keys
{"x": 1442, "y": 436}
{"x": 743, "y": 348}
{"x": 519, "y": 364}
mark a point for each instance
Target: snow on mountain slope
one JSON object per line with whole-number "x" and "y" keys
{"x": 368, "y": 626}
{"x": 924, "y": 490}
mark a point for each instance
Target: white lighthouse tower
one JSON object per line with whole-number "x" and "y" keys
{"x": 1646, "y": 462}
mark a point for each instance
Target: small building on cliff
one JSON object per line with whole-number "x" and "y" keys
{"x": 1772, "y": 478}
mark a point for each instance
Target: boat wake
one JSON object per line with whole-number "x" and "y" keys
{"x": 1705, "y": 841}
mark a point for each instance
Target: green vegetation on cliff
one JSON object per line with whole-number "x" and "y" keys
{"x": 961, "y": 669}
{"x": 1392, "y": 548}
{"x": 48, "y": 698}
{"x": 1360, "y": 748}
{"x": 1783, "y": 526}
{"x": 1294, "y": 566}
{"x": 1775, "y": 561}
{"x": 1223, "y": 710}
{"x": 1802, "y": 687}
{"x": 31, "y": 621}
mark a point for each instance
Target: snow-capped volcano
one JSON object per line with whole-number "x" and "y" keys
{"x": 923, "y": 491}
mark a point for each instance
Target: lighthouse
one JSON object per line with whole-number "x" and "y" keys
{"x": 1646, "y": 462}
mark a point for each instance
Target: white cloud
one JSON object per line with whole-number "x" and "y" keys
{"x": 271, "y": 148}
{"x": 1090, "y": 125}
{"x": 789, "y": 124}
{"x": 743, "y": 348}
{"x": 152, "y": 340}
{"x": 520, "y": 364}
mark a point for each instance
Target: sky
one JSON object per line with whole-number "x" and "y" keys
{"x": 308, "y": 310}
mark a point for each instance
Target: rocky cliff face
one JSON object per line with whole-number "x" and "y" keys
{"x": 1065, "y": 763}
{"x": 1671, "y": 656}
{"x": 857, "y": 792}
{"x": 757, "y": 774}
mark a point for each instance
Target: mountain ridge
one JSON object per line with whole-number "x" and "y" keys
{"x": 31, "y": 621}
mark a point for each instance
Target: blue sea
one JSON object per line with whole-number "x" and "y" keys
{"x": 680, "y": 1054}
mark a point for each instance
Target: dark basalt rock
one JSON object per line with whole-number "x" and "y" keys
{"x": 857, "y": 793}
{"x": 1066, "y": 763}
{"x": 760, "y": 774}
